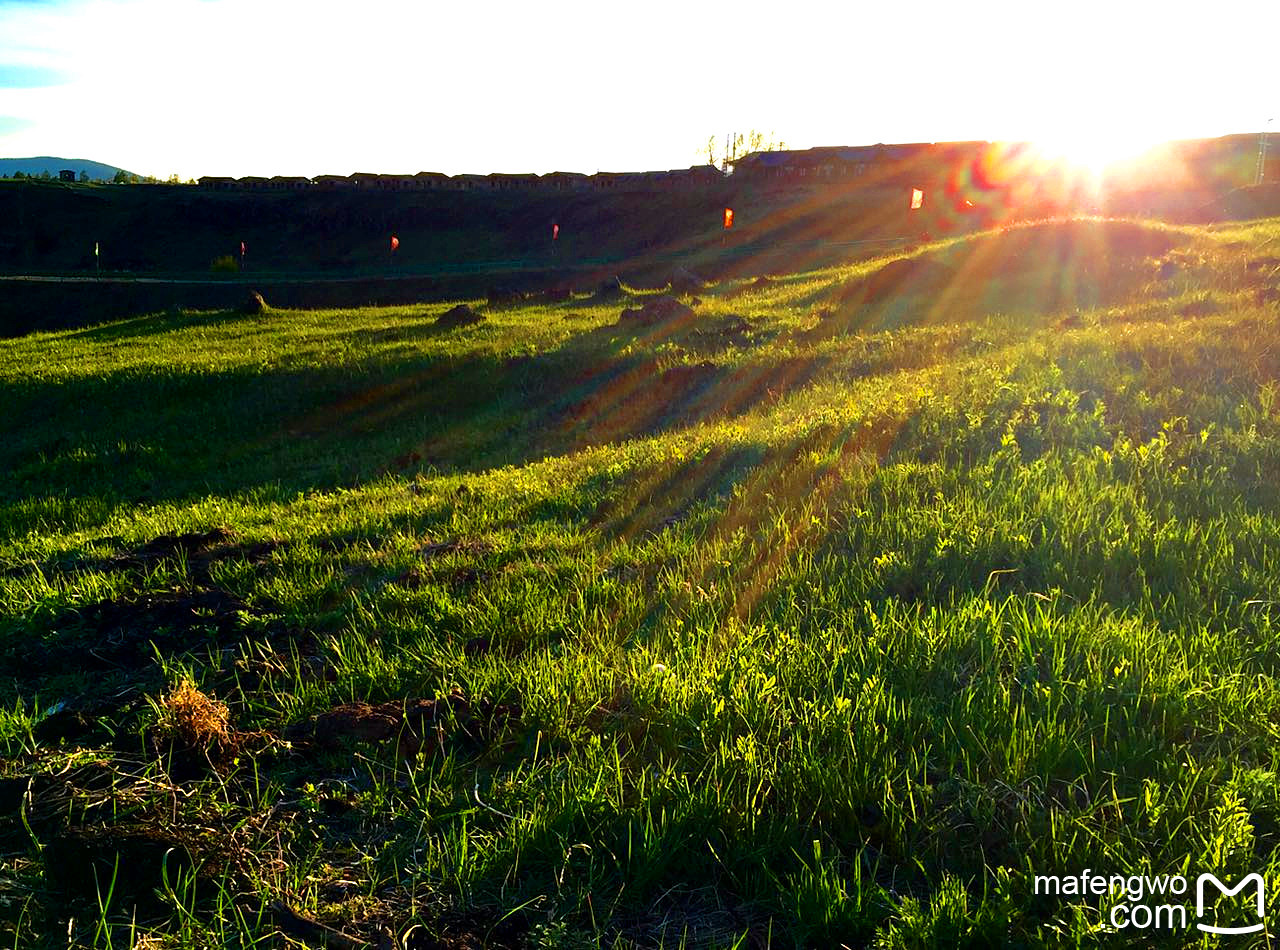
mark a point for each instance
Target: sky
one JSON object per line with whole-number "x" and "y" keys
{"x": 280, "y": 87}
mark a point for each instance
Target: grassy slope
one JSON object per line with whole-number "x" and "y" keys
{"x": 834, "y": 622}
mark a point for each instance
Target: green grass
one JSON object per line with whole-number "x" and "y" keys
{"x": 806, "y": 621}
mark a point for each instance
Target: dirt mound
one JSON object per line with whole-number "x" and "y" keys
{"x": 686, "y": 282}
{"x": 503, "y": 297}
{"x": 459, "y": 316}
{"x": 254, "y": 304}
{"x": 609, "y": 291}
{"x": 656, "y": 310}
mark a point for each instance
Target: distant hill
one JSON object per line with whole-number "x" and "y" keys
{"x": 36, "y": 166}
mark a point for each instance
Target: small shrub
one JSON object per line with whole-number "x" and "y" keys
{"x": 226, "y": 264}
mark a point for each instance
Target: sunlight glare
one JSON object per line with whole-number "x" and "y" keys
{"x": 1095, "y": 149}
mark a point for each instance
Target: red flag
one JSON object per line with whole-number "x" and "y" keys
{"x": 395, "y": 242}
{"x": 242, "y": 248}
{"x": 728, "y": 218}
{"x": 555, "y": 231}
{"x": 917, "y": 199}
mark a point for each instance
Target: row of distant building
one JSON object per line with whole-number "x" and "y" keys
{"x": 696, "y": 177}
{"x": 810, "y": 165}
{"x": 1229, "y": 159}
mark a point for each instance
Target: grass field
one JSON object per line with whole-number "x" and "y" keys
{"x": 832, "y": 613}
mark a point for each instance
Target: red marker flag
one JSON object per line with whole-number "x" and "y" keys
{"x": 917, "y": 199}
{"x": 242, "y": 248}
{"x": 555, "y": 231}
{"x": 728, "y": 218}
{"x": 395, "y": 242}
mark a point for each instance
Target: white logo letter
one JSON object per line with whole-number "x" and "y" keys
{"x": 1230, "y": 892}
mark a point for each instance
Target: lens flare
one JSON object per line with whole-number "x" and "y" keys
{"x": 1094, "y": 150}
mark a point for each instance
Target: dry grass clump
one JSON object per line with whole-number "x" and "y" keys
{"x": 193, "y": 719}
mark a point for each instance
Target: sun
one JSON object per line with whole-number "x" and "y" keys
{"x": 1094, "y": 149}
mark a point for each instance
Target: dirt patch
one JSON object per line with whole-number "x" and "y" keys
{"x": 114, "y": 644}
{"x": 130, "y": 860}
{"x": 200, "y": 551}
{"x": 44, "y": 801}
{"x": 85, "y": 718}
{"x": 122, "y": 634}
{"x": 418, "y": 726}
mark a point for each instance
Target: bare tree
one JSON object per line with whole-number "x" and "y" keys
{"x": 738, "y": 144}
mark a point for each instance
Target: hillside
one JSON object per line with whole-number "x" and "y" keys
{"x": 97, "y": 171}
{"x": 180, "y": 230}
{"x": 831, "y": 607}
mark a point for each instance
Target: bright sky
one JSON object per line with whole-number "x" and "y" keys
{"x": 282, "y": 87}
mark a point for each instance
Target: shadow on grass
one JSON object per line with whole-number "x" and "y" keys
{"x": 124, "y": 438}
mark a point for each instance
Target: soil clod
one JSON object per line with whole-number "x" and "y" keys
{"x": 459, "y": 316}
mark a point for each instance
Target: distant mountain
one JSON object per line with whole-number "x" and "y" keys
{"x": 36, "y": 166}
